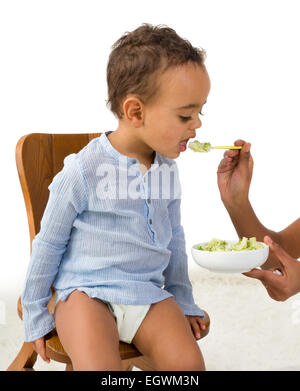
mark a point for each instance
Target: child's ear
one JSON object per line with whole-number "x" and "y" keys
{"x": 133, "y": 111}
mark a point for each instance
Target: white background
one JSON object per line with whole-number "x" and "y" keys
{"x": 52, "y": 80}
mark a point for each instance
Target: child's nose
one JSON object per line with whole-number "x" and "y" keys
{"x": 197, "y": 124}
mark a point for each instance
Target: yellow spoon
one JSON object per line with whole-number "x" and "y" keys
{"x": 206, "y": 147}
{"x": 227, "y": 147}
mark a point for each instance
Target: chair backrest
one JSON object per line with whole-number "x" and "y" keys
{"x": 39, "y": 157}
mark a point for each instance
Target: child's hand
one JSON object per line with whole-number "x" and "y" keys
{"x": 234, "y": 174}
{"x": 197, "y": 324}
{"x": 40, "y": 348}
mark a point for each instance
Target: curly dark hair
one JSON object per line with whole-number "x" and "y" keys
{"x": 139, "y": 56}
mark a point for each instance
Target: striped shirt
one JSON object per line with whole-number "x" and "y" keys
{"x": 110, "y": 231}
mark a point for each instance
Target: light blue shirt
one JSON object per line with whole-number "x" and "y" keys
{"x": 111, "y": 232}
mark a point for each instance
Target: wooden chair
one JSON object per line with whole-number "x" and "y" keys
{"x": 39, "y": 157}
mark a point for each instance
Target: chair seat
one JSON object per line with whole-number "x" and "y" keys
{"x": 55, "y": 350}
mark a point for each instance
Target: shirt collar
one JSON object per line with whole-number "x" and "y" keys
{"x": 104, "y": 141}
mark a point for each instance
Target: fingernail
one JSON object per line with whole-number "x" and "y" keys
{"x": 197, "y": 335}
{"x": 247, "y": 147}
{"x": 269, "y": 240}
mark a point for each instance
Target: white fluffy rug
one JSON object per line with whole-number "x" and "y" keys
{"x": 249, "y": 330}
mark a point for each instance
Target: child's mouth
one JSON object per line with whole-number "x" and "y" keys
{"x": 182, "y": 146}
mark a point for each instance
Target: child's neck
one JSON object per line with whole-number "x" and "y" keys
{"x": 127, "y": 144}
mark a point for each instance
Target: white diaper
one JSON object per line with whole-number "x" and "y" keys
{"x": 128, "y": 318}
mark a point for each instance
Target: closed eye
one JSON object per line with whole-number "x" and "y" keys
{"x": 185, "y": 119}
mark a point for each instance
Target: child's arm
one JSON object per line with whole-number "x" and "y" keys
{"x": 66, "y": 200}
{"x": 234, "y": 178}
{"x": 176, "y": 274}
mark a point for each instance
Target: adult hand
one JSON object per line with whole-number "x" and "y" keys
{"x": 40, "y": 348}
{"x": 279, "y": 286}
{"x": 235, "y": 173}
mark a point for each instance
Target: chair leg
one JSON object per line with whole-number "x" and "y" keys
{"x": 69, "y": 367}
{"x": 142, "y": 363}
{"x": 25, "y": 359}
{"x": 127, "y": 364}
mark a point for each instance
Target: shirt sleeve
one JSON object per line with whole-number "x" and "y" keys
{"x": 176, "y": 274}
{"x": 67, "y": 199}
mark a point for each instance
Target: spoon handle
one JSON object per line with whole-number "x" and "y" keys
{"x": 227, "y": 147}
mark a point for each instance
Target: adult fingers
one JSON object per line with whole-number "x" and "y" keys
{"x": 275, "y": 282}
{"x": 239, "y": 142}
{"x": 229, "y": 161}
{"x": 246, "y": 146}
{"x": 256, "y": 273}
{"x": 243, "y": 154}
{"x": 267, "y": 277}
{"x": 225, "y": 166}
{"x": 231, "y": 153}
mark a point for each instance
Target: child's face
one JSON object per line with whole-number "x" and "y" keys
{"x": 168, "y": 126}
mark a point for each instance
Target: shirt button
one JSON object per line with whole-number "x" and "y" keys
{"x": 148, "y": 200}
{"x": 150, "y": 221}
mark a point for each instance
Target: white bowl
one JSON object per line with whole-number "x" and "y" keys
{"x": 230, "y": 261}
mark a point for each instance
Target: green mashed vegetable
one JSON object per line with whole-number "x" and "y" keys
{"x": 222, "y": 245}
{"x": 199, "y": 147}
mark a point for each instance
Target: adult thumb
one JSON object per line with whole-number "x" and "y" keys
{"x": 245, "y": 163}
{"x": 245, "y": 152}
{"x": 280, "y": 253}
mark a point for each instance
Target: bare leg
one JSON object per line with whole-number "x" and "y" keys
{"x": 165, "y": 336}
{"x": 88, "y": 333}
